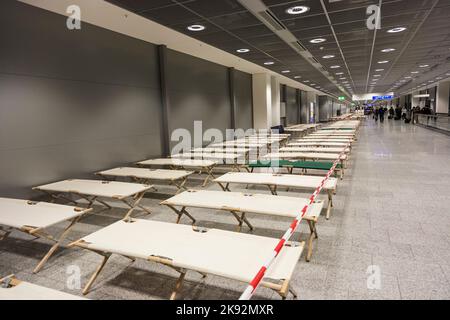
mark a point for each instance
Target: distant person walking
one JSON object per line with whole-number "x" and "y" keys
{"x": 375, "y": 114}
{"x": 381, "y": 114}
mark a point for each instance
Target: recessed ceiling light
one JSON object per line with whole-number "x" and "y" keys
{"x": 269, "y": 63}
{"x": 396, "y": 30}
{"x": 329, "y": 56}
{"x": 196, "y": 27}
{"x": 424, "y": 65}
{"x": 306, "y": 81}
{"x": 379, "y": 70}
{"x": 438, "y": 78}
{"x": 377, "y": 75}
{"x": 339, "y": 73}
{"x": 414, "y": 72}
{"x": 297, "y": 77}
{"x": 297, "y": 10}
{"x": 285, "y": 71}
{"x": 447, "y": 74}
{"x": 430, "y": 81}
{"x": 318, "y": 40}
{"x": 243, "y": 50}
{"x": 408, "y": 77}
{"x": 388, "y": 50}
{"x": 383, "y": 62}
{"x": 335, "y": 67}
{"x": 342, "y": 78}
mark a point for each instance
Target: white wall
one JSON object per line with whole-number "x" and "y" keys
{"x": 442, "y": 97}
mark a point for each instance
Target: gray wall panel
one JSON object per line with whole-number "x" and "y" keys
{"x": 244, "y": 101}
{"x": 71, "y": 102}
{"x": 198, "y": 91}
{"x": 292, "y": 108}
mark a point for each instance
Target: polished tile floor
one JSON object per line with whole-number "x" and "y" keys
{"x": 388, "y": 237}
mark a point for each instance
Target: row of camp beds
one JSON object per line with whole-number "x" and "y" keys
{"x": 180, "y": 247}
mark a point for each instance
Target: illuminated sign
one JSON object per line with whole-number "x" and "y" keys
{"x": 341, "y": 98}
{"x": 382, "y": 97}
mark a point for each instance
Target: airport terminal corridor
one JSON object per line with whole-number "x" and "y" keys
{"x": 390, "y": 212}
{"x": 225, "y": 153}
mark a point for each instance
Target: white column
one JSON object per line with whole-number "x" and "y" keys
{"x": 415, "y": 101}
{"x": 442, "y": 97}
{"x": 262, "y": 101}
{"x": 276, "y": 109}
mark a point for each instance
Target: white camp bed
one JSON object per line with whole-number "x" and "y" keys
{"x": 240, "y": 204}
{"x": 334, "y": 136}
{"x": 201, "y": 166}
{"x": 304, "y": 156}
{"x": 324, "y": 139}
{"x": 226, "y": 254}
{"x": 178, "y": 178}
{"x": 230, "y": 149}
{"x": 13, "y": 289}
{"x": 34, "y": 218}
{"x": 273, "y": 181}
{"x": 337, "y": 150}
{"x": 235, "y": 160}
{"x": 307, "y": 144}
{"x": 130, "y": 194}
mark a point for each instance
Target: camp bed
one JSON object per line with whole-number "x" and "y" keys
{"x": 202, "y": 166}
{"x": 337, "y": 150}
{"x": 307, "y": 144}
{"x": 177, "y": 178}
{"x": 314, "y": 156}
{"x": 241, "y": 204}
{"x": 130, "y": 194}
{"x": 34, "y": 218}
{"x": 290, "y": 165}
{"x": 185, "y": 248}
{"x": 228, "y": 159}
{"x": 273, "y": 181}
{"x": 231, "y": 149}
{"x": 12, "y": 288}
{"x": 324, "y": 139}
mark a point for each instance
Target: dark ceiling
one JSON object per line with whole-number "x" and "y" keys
{"x": 342, "y": 23}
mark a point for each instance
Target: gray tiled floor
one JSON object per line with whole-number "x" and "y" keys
{"x": 391, "y": 211}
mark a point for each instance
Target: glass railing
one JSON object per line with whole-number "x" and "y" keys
{"x": 437, "y": 122}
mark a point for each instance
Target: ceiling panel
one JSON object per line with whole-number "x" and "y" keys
{"x": 356, "y": 49}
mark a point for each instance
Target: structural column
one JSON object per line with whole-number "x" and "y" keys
{"x": 276, "y": 99}
{"x": 443, "y": 97}
{"x": 262, "y": 101}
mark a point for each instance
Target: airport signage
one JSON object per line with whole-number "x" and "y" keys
{"x": 382, "y": 97}
{"x": 341, "y": 98}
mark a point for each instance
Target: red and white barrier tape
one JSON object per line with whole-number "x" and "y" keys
{"x": 253, "y": 285}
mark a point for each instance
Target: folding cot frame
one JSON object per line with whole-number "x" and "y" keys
{"x": 16, "y": 289}
{"x": 273, "y": 188}
{"x": 235, "y": 160}
{"x": 282, "y": 287}
{"x": 144, "y": 178}
{"x": 206, "y": 166}
{"x": 240, "y": 214}
{"x": 39, "y": 232}
{"x": 132, "y": 201}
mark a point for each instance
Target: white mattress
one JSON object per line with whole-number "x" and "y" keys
{"x": 245, "y": 202}
{"x": 28, "y": 291}
{"x": 229, "y": 254}
{"x": 230, "y": 149}
{"x": 107, "y": 189}
{"x": 285, "y": 180}
{"x": 304, "y": 155}
{"x": 239, "y": 144}
{"x": 187, "y": 163}
{"x": 19, "y": 213}
{"x": 315, "y": 149}
{"x": 142, "y": 173}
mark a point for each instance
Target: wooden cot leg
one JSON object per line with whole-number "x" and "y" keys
{"x": 240, "y": 222}
{"x": 330, "y": 204}
{"x": 313, "y": 235}
{"x": 99, "y": 269}
{"x": 272, "y": 190}
{"x": 244, "y": 219}
{"x": 56, "y": 245}
{"x": 292, "y": 291}
{"x": 178, "y": 285}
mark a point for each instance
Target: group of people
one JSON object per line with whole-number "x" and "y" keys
{"x": 398, "y": 113}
